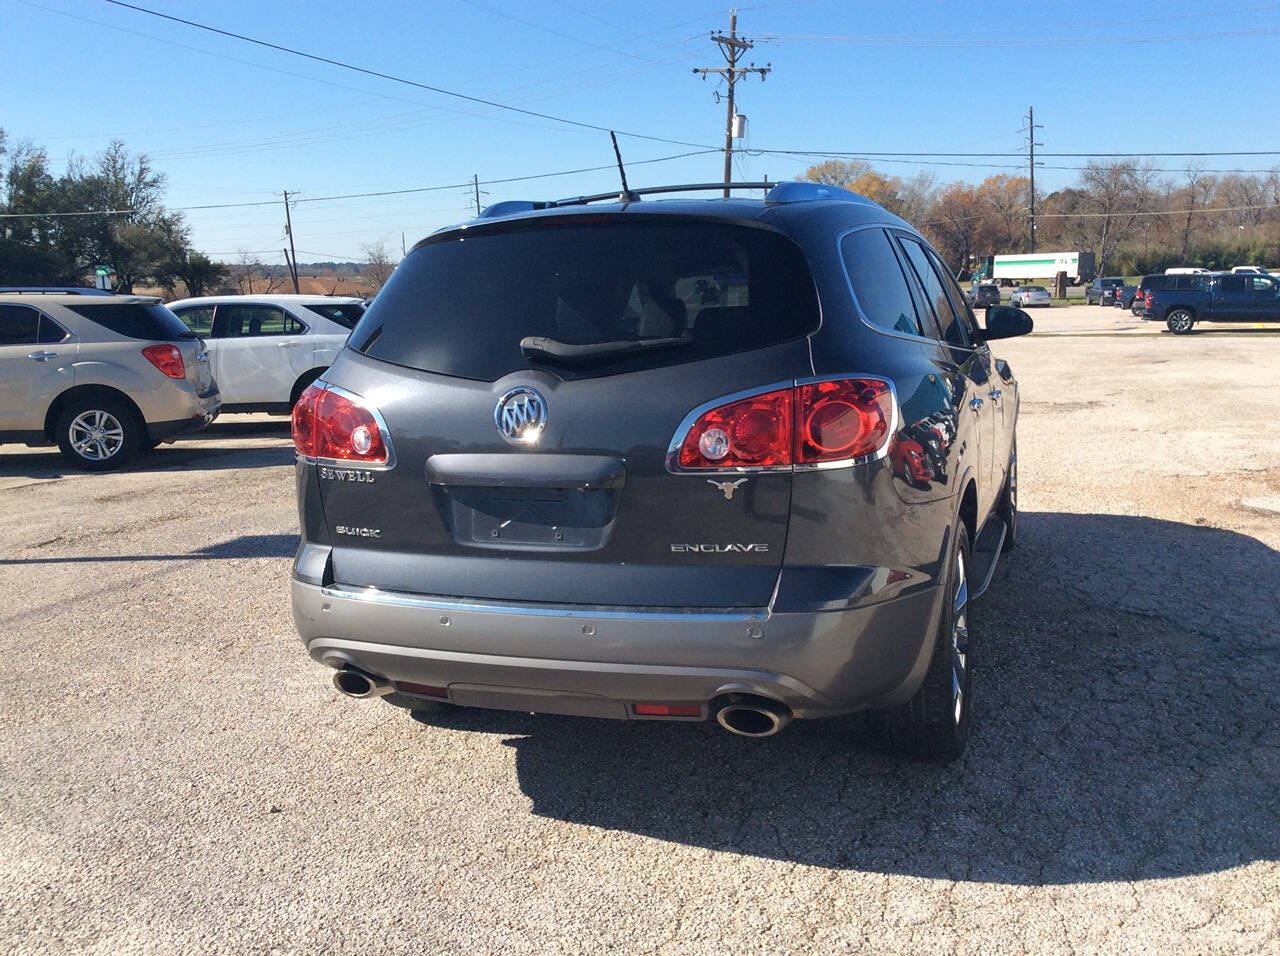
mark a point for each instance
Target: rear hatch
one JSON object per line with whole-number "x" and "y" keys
{"x": 595, "y": 336}
{"x": 145, "y": 319}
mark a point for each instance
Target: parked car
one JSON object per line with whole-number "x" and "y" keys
{"x": 1249, "y": 270}
{"x": 985, "y": 295}
{"x": 588, "y": 487}
{"x": 1029, "y": 295}
{"x": 1216, "y": 298}
{"x": 267, "y": 348}
{"x": 1184, "y": 281}
{"x": 101, "y": 376}
{"x": 1123, "y": 296}
{"x": 1101, "y": 291}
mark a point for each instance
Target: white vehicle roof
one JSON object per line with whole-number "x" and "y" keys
{"x": 271, "y": 298}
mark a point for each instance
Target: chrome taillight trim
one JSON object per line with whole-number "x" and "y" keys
{"x": 382, "y": 430}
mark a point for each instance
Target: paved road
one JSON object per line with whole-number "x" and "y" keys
{"x": 175, "y": 774}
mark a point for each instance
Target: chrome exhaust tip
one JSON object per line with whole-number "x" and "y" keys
{"x": 756, "y": 717}
{"x": 356, "y": 683}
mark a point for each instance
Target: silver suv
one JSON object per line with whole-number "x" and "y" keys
{"x": 103, "y": 376}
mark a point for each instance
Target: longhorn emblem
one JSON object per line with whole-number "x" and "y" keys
{"x": 727, "y": 487}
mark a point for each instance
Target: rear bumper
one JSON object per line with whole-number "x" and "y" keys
{"x": 199, "y": 412}
{"x": 595, "y": 661}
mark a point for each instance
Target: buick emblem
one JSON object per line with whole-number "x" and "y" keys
{"x": 521, "y": 415}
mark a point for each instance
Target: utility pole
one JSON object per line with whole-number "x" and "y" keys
{"x": 732, "y": 47}
{"x": 475, "y": 181}
{"x": 403, "y": 251}
{"x": 1032, "y": 126}
{"x": 288, "y": 229}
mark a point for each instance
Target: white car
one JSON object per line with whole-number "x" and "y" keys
{"x": 266, "y": 349}
{"x": 1029, "y": 295}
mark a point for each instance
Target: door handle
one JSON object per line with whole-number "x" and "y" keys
{"x": 975, "y": 403}
{"x": 42, "y": 356}
{"x": 287, "y": 345}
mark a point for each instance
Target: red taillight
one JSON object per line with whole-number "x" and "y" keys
{"x": 1147, "y": 300}
{"x": 303, "y": 425}
{"x": 667, "y": 710}
{"x": 329, "y": 424}
{"x": 167, "y": 359}
{"x": 809, "y": 424}
{"x": 836, "y": 421}
{"x": 752, "y": 432}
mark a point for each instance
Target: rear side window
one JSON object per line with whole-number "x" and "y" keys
{"x": 1233, "y": 285}
{"x": 136, "y": 320}
{"x": 241, "y": 321}
{"x": 948, "y": 322}
{"x": 19, "y": 325}
{"x": 345, "y": 315}
{"x": 879, "y": 286}
{"x": 198, "y": 318}
{"x": 692, "y": 290}
{"x": 1188, "y": 283}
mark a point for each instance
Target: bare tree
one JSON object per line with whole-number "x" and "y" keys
{"x": 251, "y": 275}
{"x": 1004, "y": 198}
{"x": 1250, "y": 194}
{"x": 1117, "y": 194}
{"x": 1195, "y": 196}
{"x": 378, "y": 265}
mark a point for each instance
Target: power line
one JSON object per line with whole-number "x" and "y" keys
{"x": 1116, "y": 214}
{"x": 944, "y": 42}
{"x": 468, "y": 184}
{"x": 871, "y": 154}
{"x": 396, "y": 79}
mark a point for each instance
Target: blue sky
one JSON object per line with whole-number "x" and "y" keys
{"x": 230, "y": 122}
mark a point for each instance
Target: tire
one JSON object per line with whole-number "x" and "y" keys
{"x": 1135, "y": 308}
{"x": 1007, "y": 506}
{"x": 934, "y": 724}
{"x": 1179, "y": 321}
{"x": 100, "y": 433}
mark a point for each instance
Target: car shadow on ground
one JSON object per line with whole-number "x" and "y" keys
{"x": 1125, "y": 728}
{"x": 190, "y": 453}
{"x": 245, "y": 546}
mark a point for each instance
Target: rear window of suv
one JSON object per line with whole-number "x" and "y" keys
{"x": 152, "y": 322}
{"x": 345, "y": 315}
{"x": 462, "y": 305}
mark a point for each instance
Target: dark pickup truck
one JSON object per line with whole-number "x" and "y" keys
{"x": 1216, "y": 298}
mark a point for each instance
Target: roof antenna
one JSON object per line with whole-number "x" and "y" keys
{"x": 627, "y": 195}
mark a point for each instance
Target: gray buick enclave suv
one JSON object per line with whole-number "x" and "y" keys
{"x": 663, "y": 459}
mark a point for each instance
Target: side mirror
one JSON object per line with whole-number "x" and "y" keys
{"x": 1004, "y": 322}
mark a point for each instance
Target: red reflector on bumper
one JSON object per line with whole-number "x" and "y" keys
{"x": 422, "y": 690}
{"x": 667, "y": 710}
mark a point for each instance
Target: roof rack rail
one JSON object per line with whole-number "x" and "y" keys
{"x": 52, "y": 290}
{"x": 512, "y": 206}
{"x": 784, "y": 192}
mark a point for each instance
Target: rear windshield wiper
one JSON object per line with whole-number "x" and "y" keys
{"x": 541, "y": 347}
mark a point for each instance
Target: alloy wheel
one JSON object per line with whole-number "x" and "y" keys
{"x": 96, "y": 435}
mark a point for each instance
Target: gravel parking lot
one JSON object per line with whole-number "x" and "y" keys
{"x": 176, "y": 774}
